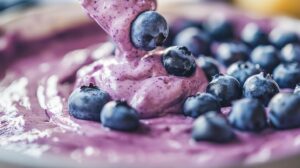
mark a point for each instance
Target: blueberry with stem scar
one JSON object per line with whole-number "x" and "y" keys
{"x": 243, "y": 70}
{"x": 226, "y": 88}
{"x": 87, "y": 102}
{"x": 118, "y": 115}
{"x": 261, "y": 87}
{"x": 179, "y": 61}
{"x": 149, "y": 30}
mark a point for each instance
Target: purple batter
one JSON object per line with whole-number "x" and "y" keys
{"x": 35, "y": 121}
{"x": 134, "y": 75}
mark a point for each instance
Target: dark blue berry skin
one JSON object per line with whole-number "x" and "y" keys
{"x": 180, "y": 24}
{"x": 118, "y": 115}
{"x": 226, "y": 88}
{"x": 7, "y": 4}
{"x": 229, "y": 53}
{"x": 212, "y": 127}
{"x": 287, "y": 75}
{"x": 87, "y": 102}
{"x": 179, "y": 61}
{"x": 209, "y": 66}
{"x": 253, "y": 35}
{"x": 149, "y": 30}
{"x": 200, "y": 104}
{"x": 248, "y": 115}
{"x": 290, "y": 53}
{"x": 243, "y": 70}
{"x": 280, "y": 38}
{"x": 297, "y": 89}
{"x": 197, "y": 41}
{"x": 266, "y": 57}
{"x": 219, "y": 29}
{"x": 261, "y": 87}
{"x": 285, "y": 111}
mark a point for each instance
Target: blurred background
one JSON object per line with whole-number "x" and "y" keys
{"x": 265, "y": 7}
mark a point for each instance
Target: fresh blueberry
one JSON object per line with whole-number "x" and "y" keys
{"x": 180, "y": 24}
{"x": 179, "y": 61}
{"x": 87, "y": 102}
{"x": 212, "y": 127}
{"x": 290, "y": 53}
{"x": 219, "y": 29}
{"x": 285, "y": 111}
{"x": 197, "y": 41}
{"x": 243, "y": 70}
{"x": 202, "y": 103}
{"x": 253, "y": 35}
{"x": 280, "y": 38}
{"x": 297, "y": 89}
{"x": 266, "y": 57}
{"x": 228, "y": 53}
{"x": 248, "y": 115}
{"x": 226, "y": 88}
{"x": 209, "y": 66}
{"x": 149, "y": 30}
{"x": 287, "y": 75}
{"x": 118, "y": 115}
{"x": 261, "y": 87}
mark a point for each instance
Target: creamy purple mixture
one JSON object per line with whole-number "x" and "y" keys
{"x": 39, "y": 78}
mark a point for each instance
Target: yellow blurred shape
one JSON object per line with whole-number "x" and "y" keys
{"x": 272, "y": 7}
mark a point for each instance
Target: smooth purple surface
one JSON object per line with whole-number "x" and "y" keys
{"x": 35, "y": 121}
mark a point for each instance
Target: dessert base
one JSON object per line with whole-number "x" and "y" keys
{"x": 39, "y": 77}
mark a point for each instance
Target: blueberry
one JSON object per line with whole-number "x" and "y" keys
{"x": 179, "y": 61}
{"x": 149, "y": 30}
{"x": 212, "y": 127}
{"x": 297, "y": 89}
{"x": 285, "y": 111}
{"x": 253, "y": 35}
{"x": 248, "y": 115}
{"x": 228, "y": 53}
{"x": 280, "y": 38}
{"x": 180, "y": 24}
{"x": 194, "y": 106}
{"x": 287, "y": 75}
{"x": 266, "y": 57}
{"x": 226, "y": 88}
{"x": 87, "y": 102}
{"x": 261, "y": 87}
{"x": 118, "y": 115}
{"x": 197, "y": 41}
{"x": 290, "y": 53}
{"x": 209, "y": 66}
{"x": 219, "y": 29}
{"x": 243, "y": 70}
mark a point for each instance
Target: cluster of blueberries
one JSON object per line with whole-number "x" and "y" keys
{"x": 91, "y": 103}
{"x": 258, "y": 66}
